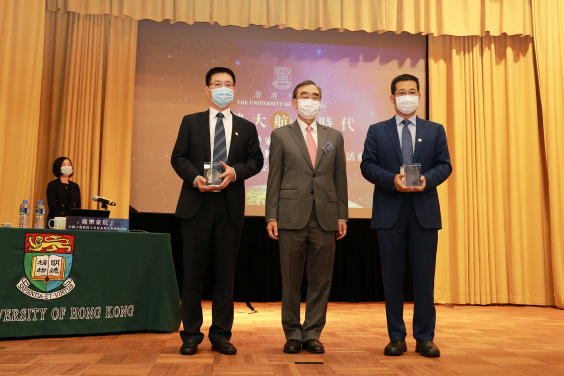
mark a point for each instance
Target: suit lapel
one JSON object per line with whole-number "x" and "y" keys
{"x": 392, "y": 130}
{"x": 298, "y": 136}
{"x": 322, "y": 135}
{"x": 235, "y": 129}
{"x": 420, "y": 130}
{"x": 204, "y": 124}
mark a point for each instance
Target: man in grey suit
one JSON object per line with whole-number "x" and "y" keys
{"x": 306, "y": 209}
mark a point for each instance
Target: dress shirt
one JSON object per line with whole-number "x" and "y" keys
{"x": 227, "y": 126}
{"x": 411, "y": 128}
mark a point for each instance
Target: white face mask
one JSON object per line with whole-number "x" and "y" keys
{"x": 66, "y": 170}
{"x": 407, "y": 104}
{"x": 308, "y": 108}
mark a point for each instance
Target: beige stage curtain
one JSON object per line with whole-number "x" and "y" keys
{"x": 438, "y": 17}
{"x": 495, "y": 245}
{"x": 21, "y": 62}
{"x": 87, "y": 104}
{"x": 549, "y": 49}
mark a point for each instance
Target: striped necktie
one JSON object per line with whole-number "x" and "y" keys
{"x": 406, "y": 143}
{"x": 219, "y": 144}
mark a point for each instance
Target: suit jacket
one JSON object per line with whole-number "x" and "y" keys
{"x": 293, "y": 182}
{"x": 381, "y": 162}
{"x": 192, "y": 149}
{"x": 57, "y": 199}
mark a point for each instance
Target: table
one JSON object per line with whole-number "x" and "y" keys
{"x": 63, "y": 282}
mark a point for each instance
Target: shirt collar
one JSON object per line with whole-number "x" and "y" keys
{"x": 226, "y": 113}
{"x": 303, "y": 125}
{"x": 399, "y": 119}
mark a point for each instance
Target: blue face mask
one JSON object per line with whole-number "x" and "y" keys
{"x": 222, "y": 96}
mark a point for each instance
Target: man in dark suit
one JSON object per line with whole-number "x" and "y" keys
{"x": 212, "y": 217}
{"x": 407, "y": 218}
{"x": 306, "y": 209}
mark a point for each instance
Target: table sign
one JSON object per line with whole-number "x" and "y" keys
{"x": 97, "y": 224}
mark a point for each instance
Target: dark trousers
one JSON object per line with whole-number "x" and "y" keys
{"x": 209, "y": 232}
{"x": 407, "y": 239}
{"x": 314, "y": 248}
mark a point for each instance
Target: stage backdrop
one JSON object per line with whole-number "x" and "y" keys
{"x": 354, "y": 70}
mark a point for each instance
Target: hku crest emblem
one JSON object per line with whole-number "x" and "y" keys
{"x": 47, "y": 265}
{"x": 282, "y": 77}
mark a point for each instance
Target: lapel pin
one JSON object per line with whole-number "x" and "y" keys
{"x": 237, "y": 134}
{"x": 419, "y": 140}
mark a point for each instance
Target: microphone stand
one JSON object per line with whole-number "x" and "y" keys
{"x": 104, "y": 206}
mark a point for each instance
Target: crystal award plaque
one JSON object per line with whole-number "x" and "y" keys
{"x": 212, "y": 170}
{"x": 412, "y": 174}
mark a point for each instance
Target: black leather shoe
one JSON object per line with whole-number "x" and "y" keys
{"x": 189, "y": 348}
{"x": 224, "y": 347}
{"x": 395, "y": 348}
{"x": 428, "y": 349}
{"x": 293, "y": 346}
{"x": 313, "y": 346}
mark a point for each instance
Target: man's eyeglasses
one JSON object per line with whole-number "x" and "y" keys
{"x": 218, "y": 84}
{"x": 315, "y": 97}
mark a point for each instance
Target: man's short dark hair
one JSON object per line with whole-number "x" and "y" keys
{"x": 404, "y": 77}
{"x": 305, "y": 83}
{"x": 57, "y": 166}
{"x": 216, "y": 70}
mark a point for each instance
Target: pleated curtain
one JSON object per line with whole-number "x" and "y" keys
{"x": 22, "y": 28}
{"x": 495, "y": 244}
{"x": 87, "y": 104}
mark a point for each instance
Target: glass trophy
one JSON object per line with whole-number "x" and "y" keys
{"x": 212, "y": 170}
{"x": 412, "y": 174}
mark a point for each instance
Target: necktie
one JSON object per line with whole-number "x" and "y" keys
{"x": 219, "y": 144}
{"x": 311, "y": 148}
{"x": 406, "y": 143}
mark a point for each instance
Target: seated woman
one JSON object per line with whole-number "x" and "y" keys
{"x": 62, "y": 194}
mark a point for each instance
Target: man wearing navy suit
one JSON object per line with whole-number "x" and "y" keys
{"x": 407, "y": 219}
{"x": 212, "y": 217}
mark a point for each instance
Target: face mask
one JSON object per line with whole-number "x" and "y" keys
{"x": 406, "y": 104}
{"x": 308, "y": 108}
{"x": 66, "y": 170}
{"x": 222, "y": 96}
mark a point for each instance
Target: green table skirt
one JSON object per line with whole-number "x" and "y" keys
{"x": 63, "y": 282}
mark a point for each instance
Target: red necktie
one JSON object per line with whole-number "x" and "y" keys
{"x": 311, "y": 148}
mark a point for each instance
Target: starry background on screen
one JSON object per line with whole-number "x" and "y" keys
{"x": 353, "y": 69}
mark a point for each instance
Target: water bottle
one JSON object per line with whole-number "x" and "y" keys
{"x": 24, "y": 214}
{"x": 40, "y": 215}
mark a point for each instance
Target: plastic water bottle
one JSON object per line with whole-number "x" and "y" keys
{"x": 24, "y": 214}
{"x": 40, "y": 215}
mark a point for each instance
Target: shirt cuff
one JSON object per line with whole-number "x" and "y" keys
{"x": 271, "y": 220}
{"x": 194, "y": 182}
{"x": 344, "y": 220}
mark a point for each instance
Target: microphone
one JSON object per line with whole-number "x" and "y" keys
{"x": 103, "y": 200}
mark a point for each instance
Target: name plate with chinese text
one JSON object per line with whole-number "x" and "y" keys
{"x": 97, "y": 224}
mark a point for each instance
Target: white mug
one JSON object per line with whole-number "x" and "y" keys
{"x": 59, "y": 223}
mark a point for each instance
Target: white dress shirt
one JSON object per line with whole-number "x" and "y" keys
{"x": 410, "y": 126}
{"x": 227, "y": 125}
{"x": 303, "y": 127}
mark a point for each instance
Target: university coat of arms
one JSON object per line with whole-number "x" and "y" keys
{"x": 282, "y": 76}
{"x": 47, "y": 265}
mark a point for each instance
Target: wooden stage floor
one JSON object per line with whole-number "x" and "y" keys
{"x": 497, "y": 340}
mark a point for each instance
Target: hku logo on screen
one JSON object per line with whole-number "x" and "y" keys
{"x": 47, "y": 265}
{"x": 282, "y": 77}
